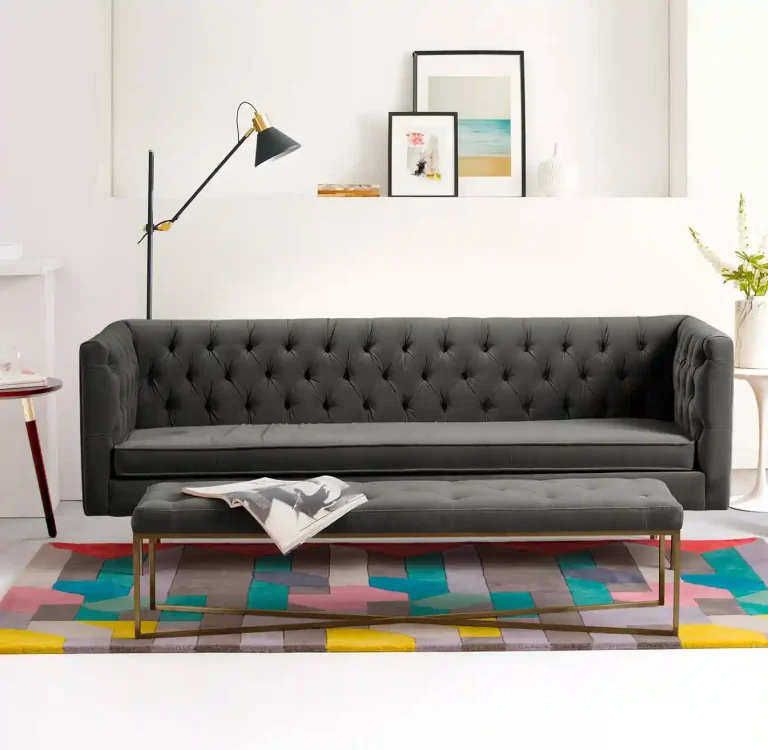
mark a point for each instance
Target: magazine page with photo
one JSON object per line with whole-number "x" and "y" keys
{"x": 290, "y": 512}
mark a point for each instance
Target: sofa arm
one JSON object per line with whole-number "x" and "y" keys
{"x": 703, "y": 383}
{"x": 109, "y": 387}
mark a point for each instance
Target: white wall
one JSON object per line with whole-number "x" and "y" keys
{"x": 54, "y": 170}
{"x": 328, "y": 72}
{"x": 727, "y": 98}
{"x": 243, "y": 253}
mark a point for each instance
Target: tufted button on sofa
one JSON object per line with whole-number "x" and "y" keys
{"x": 386, "y": 399}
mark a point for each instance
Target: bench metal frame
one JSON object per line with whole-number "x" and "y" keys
{"x": 483, "y": 619}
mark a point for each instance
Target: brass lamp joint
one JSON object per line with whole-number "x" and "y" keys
{"x": 260, "y": 122}
{"x": 163, "y": 226}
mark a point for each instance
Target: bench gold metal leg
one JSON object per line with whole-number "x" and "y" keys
{"x": 152, "y": 567}
{"x": 137, "y": 560}
{"x": 321, "y": 620}
{"x": 676, "y": 566}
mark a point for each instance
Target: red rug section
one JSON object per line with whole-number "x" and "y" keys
{"x": 107, "y": 551}
{"x": 701, "y": 545}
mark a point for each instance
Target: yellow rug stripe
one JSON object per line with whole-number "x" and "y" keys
{"x": 720, "y": 636}
{"x": 29, "y": 642}
{"x": 358, "y": 639}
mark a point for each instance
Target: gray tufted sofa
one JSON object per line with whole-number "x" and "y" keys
{"x": 393, "y": 398}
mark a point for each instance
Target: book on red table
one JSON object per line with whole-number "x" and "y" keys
{"x": 23, "y": 379}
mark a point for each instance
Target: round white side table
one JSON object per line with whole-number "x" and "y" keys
{"x": 757, "y": 499}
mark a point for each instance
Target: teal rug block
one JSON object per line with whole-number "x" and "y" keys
{"x": 445, "y": 604}
{"x": 512, "y": 600}
{"x": 272, "y": 564}
{"x": 761, "y": 597}
{"x": 264, "y": 595}
{"x": 116, "y": 579}
{"x": 94, "y": 591}
{"x": 739, "y": 587}
{"x": 753, "y": 609}
{"x": 426, "y": 567}
{"x": 453, "y": 602}
{"x": 576, "y": 560}
{"x": 86, "y": 613}
{"x": 416, "y": 609}
{"x": 754, "y": 604}
{"x": 187, "y": 600}
{"x": 728, "y": 563}
{"x": 118, "y": 565}
{"x": 414, "y": 587}
{"x": 588, "y": 592}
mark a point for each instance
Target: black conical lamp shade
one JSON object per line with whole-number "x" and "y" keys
{"x": 272, "y": 144}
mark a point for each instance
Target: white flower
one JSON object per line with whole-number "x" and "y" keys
{"x": 711, "y": 256}
{"x": 742, "y": 226}
{"x": 750, "y": 275}
{"x": 763, "y": 249}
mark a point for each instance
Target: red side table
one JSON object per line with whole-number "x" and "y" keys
{"x": 26, "y": 395}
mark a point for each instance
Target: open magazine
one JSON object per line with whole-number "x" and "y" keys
{"x": 289, "y": 511}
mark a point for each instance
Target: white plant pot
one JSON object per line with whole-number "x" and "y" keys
{"x": 752, "y": 333}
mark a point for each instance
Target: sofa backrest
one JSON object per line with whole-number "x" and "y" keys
{"x": 394, "y": 370}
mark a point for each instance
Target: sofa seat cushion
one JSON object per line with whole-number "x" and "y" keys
{"x": 405, "y": 448}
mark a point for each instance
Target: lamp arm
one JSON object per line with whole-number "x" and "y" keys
{"x": 206, "y": 180}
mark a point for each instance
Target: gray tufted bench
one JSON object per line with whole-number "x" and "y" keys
{"x": 471, "y": 509}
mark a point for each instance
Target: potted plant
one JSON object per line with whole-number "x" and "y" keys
{"x": 750, "y": 276}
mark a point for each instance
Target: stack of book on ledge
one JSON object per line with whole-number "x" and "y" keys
{"x": 21, "y": 380}
{"x": 332, "y": 190}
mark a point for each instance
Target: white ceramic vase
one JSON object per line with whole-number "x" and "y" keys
{"x": 752, "y": 333}
{"x": 557, "y": 178}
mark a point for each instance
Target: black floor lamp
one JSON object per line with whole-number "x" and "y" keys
{"x": 270, "y": 144}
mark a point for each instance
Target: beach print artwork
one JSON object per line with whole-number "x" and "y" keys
{"x": 485, "y": 121}
{"x": 423, "y": 157}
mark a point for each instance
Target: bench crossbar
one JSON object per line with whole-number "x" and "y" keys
{"x": 489, "y": 618}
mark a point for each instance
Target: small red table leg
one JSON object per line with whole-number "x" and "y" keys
{"x": 37, "y": 458}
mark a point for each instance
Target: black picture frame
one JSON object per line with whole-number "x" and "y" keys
{"x": 455, "y": 117}
{"x": 521, "y": 55}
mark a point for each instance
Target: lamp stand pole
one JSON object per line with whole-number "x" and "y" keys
{"x": 150, "y": 229}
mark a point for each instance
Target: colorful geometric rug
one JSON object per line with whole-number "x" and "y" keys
{"x": 76, "y": 598}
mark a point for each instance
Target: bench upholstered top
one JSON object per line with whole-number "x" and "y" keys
{"x": 466, "y": 507}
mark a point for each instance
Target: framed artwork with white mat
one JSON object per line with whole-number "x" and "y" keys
{"x": 423, "y": 157}
{"x": 487, "y": 90}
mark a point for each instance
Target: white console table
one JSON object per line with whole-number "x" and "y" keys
{"x": 27, "y": 302}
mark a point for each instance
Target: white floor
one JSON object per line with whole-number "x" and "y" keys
{"x": 592, "y": 699}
